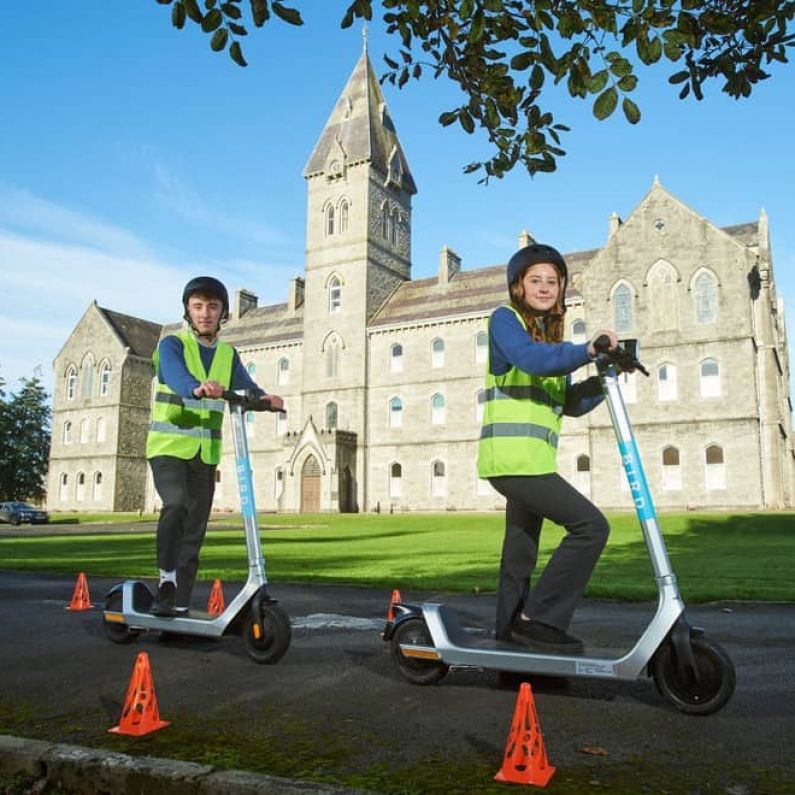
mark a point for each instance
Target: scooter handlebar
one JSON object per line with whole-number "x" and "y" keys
{"x": 623, "y": 357}
{"x": 249, "y": 400}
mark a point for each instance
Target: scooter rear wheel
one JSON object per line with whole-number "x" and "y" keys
{"x": 117, "y": 632}
{"x": 268, "y": 646}
{"x": 701, "y": 694}
{"x": 414, "y": 631}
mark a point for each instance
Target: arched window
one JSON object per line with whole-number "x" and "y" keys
{"x": 101, "y": 434}
{"x": 395, "y": 480}
{"x": 84, "y": 431}
{"x": 332, "y": 357}
{"x": 623, "y": 315}
{"x": 384, "y": 222}
{"x": 396, "y": 358}
{"x": 666, "y": 382}
{"x": 662, "y": 291}
{"x": 80, "y": 491}
{"x": 97, "y": 496}
{"x": 671, "y": 471}
{"x": 714, "y": 468}
{"x": 705, "y": 298}
{"x": 394, "y": 221}
{"x": 63, "y": 490}
{"x": 87, "y": 376}
{"x": 710, "y": 378}
{"x": 71, "y": 382}
{"x": 480, "y": 403}
{"x": 329, "y": 220}
{"x": 331, "y": 415}
{"x": 437, "y": 409}
{"x": 281, "y": 423}
{"x": 395, "y": 412}
{"x": 481, "y": 347}
{"x": 251, "y": 369}
{"x": 437, "y": 352}
{"x": 104, "y": 378}
{"x": 343, "y": 217}
{"x": 67, "y": 432}
{"x": 438, "y": 479}
{"x": 283, "y": 372}
{"x": 278, "y": 482}
{"x": 578, "y": 331}
{"x": 334, "y": 295}
{"x": 582, "y": 475}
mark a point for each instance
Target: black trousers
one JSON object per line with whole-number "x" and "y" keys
{"x": 186, "y": 489}
{"x": 531, "y": 499}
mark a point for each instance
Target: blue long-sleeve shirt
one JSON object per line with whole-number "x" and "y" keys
{"x": 173, "y": 372}
{"x": 511, "y": 346}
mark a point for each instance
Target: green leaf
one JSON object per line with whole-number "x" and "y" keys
{"x": 192, "y": 10}
{"x": 605, "y": 103}
{"x": 524, "y": 60}
{"x": 447, "y": 118}
{"x": 208, "y": 4}
{"x": 238, "y": 30}
{"x": 679, "y": 77}
{"x": 631, "y": 110}
{"x": 260, "y": 12}
{"x": 219, "y": 40}
{"x": 290, "y": 15}
{"x": 466, "y": 121}
{"x": 598, "y": 81}
{"x": 536, "y": 78}
{"x": 628, "y": 83}
{"x": 178, "y": 16}
{"x": 236, "y": 53}
{"x": 212, "y": 21}
{"x": 231, "y": 10}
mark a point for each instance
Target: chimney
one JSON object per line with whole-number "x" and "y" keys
{"x": 296, "y": 296}
{"x": 449, "y": 264}
{"x": 613, "y": 223}
{"x": 244, "y": 300}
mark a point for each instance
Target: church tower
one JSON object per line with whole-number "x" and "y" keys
{"x": 358, "y": 251}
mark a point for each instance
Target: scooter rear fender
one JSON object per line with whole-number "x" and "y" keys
{"x": 402, "y": 613}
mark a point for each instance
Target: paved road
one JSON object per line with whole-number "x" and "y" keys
{"x": 335, "y": 705}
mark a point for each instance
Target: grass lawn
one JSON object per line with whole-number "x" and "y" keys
{"x": 715, "y": 556}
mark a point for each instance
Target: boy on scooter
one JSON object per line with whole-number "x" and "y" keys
{"x": 527, "y": 390}
{"x": 193, "y": 368}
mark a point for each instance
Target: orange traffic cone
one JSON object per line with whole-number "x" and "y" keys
{"x": 390, "y": 614}
{"x": 80, "y": 598}
{"x": 215, "y": 604}
{"x": 139, "y": 715}
{"x": 525, "y": 760}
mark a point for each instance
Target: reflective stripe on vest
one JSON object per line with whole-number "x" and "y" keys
{"x": 182, "y": 427}
{"x": 521, "y": 422}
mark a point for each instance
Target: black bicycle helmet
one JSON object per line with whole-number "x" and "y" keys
{"x": 207, "y": 285}
{"x": 533, "y": 254}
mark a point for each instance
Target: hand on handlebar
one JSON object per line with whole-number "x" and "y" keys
{"x": 209, "y": 389}
{"x": 602, "y": 341}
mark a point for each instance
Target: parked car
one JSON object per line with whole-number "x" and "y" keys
{"x": 18, "y": 512}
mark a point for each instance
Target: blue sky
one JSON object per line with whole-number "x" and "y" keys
{"x": 132, "y": 157}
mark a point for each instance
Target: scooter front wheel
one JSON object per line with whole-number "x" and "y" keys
{"x": 699, "y": 692}
{"x": 418, "y": 671}
{"x": 268, "y": 643}
{"x": 117, "y": 631}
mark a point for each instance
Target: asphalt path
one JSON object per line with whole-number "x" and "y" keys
{"x": 61, "y": 678}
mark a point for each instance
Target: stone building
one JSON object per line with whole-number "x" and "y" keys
{"x": 382, "y": 375}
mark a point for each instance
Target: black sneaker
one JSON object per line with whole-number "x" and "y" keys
{"x": 543, "y": 638}
{"x": 165, "y": 600}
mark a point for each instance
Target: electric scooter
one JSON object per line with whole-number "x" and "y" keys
{"x": 253, "y": 613}
{"x": 690, "y": 670}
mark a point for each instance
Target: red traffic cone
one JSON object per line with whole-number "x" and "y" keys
{"x": 525, "y": 760}
{"x": 215, "y": 604}
{"x": 80, "y": 598}
{"x": 139, "y": 715}
{"x": 396, "y": 598}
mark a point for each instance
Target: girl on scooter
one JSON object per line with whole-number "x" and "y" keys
{"x": 528, "y": 389}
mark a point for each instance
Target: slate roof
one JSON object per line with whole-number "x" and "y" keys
{"x": 361, "y": 123}
{"x": 266, "y": 325}
{"x": 140, "y": 336}
{"x": 746, "y": 233}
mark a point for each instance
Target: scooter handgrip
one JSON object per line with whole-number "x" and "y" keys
{"x": 602, "y": 343}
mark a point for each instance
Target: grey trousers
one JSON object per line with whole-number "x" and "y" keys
{"x": 186, "y": 489}
{"x": 531, "y": 499}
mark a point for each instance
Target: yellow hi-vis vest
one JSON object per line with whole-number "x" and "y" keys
{"x": 521, "y": 422}
{"x": 180, "y": 427}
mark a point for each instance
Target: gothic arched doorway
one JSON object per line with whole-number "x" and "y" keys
{"x": 310, "y": 486}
